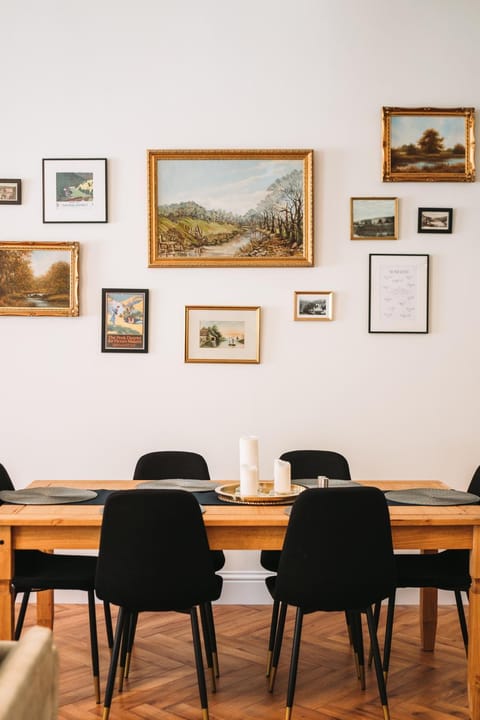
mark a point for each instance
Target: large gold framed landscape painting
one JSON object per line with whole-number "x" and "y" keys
{"x": 428, "y": 144}
{"x": 230, "y": 208}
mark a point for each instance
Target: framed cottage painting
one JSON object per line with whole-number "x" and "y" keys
{"x": 428, "y": 144}
{"x": 222, "y": 334}
{"x": 230, "y": 208}
{"x": 39, "y": 278}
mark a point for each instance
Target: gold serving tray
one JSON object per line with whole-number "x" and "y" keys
{"x": 266, "y": 494}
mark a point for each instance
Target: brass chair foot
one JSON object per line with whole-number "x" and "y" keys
{"x": 106, "y": 713}
{"x": 386, "y": 712}
{"x": 288, "y": 713}
{"x": 215, "y": 664}
{"x": 96, "y": 687}
{"x": 204, "y": 714}
{"x": 269, "y": 663}
{"x": 273, "y": 673}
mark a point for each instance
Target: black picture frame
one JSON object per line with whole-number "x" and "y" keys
{"x": 398, "y": 293}
{"x": 10, "y": 192}
{"x": 124, "y": 320}
{"x": 435, "y": 220}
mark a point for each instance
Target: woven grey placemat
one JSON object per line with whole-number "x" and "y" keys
{"x": 179, "y": 484}
{"x": 431, "y": 496}
{"x": 46, "y": 496}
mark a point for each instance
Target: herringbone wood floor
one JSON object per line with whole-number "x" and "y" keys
{"x": 162, "y": 683}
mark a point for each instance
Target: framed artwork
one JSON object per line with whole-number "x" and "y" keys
{"x": 39, "y": 278}
{"x": 373, "y": 218}
{"x": 435, "y": 220}
{"x": 124, "y": 320}
{"x": 398, "y": 286}
{"x": 313, "y": 305}
{"x": 10, "y": 192}
{"x": 214, "y": 208}
{"x": 428, "y": 144}
{"x": 222, "y": 334}
{"x": 74, "y": 190}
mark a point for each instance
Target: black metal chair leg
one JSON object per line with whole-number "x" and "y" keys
{"x": 278, "y": 644}
{"x": 461, "y": 618}
{"x": 202, "y": 688}
{"x": 357, "y": 637}
{"x": 119, "y": 632}
{"x": 123, "y": 649}
{"x": 207, "y": 641}
{"x": 378, "y": 663}
{"x": 387, "y": 645}
{"x": 211, "y": 620}
{"x": 376, "y": 616}
{"x": 94, "y": 644}
{"x": 271, "y": 639}
{"x": 131, "y": 639}
{"x": 292, "y": 676}
{"x": 21, "y": 615}
{"x": 108, "y": 624}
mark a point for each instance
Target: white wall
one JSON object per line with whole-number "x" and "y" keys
{"x": 110, "y": 79}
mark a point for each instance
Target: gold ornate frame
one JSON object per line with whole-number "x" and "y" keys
{"x": 206, "y": 343}
{"x": 450, "y": 164}
{"x": 23, "y": 293}
{"x": 261, "y": 213}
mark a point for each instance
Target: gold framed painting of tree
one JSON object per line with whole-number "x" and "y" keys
{"x": 230, "y": 208}
{"x": 39, "y": 278}
{"x": 428, "y": 144}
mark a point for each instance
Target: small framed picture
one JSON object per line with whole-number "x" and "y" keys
{"x": 435, "y": 220}
{"x": 313, "y": 305}
{"x": 398, "y": 287}
{"x": 222, "y": 334}
{"x": 74, "y": 190}
{"x": 124, "y": 320}
{"x": 10, "y": 192}
{"x": 373, "y": 218}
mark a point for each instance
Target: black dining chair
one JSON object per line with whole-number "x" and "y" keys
{"x": 304, "y": 464}
{"x": 181, "y": 464}
{"x": 154, "y": 556}
{"x": 446, "y": 570}
{"x": 337, "y": 556}
{"x": 36, "y": 571}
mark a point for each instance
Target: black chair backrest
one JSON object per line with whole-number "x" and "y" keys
{"x": 154, "y": 552}
{"x": 338, "y": 552}
{"x": 474, "y": 486}
{"x": 5, "y": 481}
{"x": 166, "y": 464}
{"x": 311, "y": 463}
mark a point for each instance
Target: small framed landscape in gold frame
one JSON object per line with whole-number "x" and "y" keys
{"x": 313, "y": 305}
{"x": 428, "y": 144}
{"x": 230, "y": 208}
{"x": 124, "y": 320}
{"x": 222, "y": 334}
{"x": 373, "y": 218}
{"x": 39, "y": 278}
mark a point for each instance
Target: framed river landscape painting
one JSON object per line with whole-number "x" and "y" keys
{"x": 428, "y": 144}
{"x": 39, "y": 278}
{"x": 230, "y": 208}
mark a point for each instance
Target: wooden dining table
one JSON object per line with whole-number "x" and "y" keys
{"x": 246, "y": 527}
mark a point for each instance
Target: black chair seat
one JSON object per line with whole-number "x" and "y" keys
{"x": 42, "y": 571}
{"x": 447, "y": 570}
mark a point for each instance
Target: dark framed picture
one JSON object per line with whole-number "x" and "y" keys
{"x": 373, "y": 218}
{"x": 39, "y": 278}
{"x": 313, "y": 305}
{"x": 428, "y": 144}
{"x": 124, "y": 320}
{"x": 435, "y": 220}
{"x": 398, "y": 293}
{"x": 10, "y": 192}
{"x": 74, "y": 190}
{"x": 223, "y": 334}
{"x": 230, "y": 208}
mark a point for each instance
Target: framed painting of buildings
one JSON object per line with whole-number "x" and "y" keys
{"x": 222, "y": 334}
{"x": 373, "y": 218}
{"x": 230, "y": 208}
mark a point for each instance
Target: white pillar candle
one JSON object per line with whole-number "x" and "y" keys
{"x": 248, "y": 480}
{"x": 249, "y": 450}
{"x": 281, "y": 476}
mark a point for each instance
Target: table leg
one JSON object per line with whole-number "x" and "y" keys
{"x": 6, "y": 573}
{"x": 474, "y": 629}
{"x": 45, "y": 604}
{"x": 428, "y": 617}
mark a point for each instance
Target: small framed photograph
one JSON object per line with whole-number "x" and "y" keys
{"x": 435, "y": 220}
{"x": 39, "y": 278}
{"x": 313, "y": 305}
{"x": 10, "y": 192}
{"x": 398, "y": 286}
{"x": 74, "y": 190}
{"x": 230, "y": 208}
{"x": 373, "y": 218}
{"x": 124, "y": 320}
{"x": 222, "y": 334}
{"x": 428, "y": 144}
